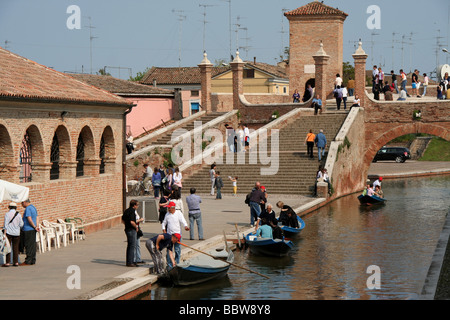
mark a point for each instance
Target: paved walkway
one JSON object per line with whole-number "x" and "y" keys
{"x": 101, "y": 257}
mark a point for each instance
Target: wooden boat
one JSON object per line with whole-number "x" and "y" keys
{"x": 268, "y": 247}
{"x": 290, "y": 232}
{"x": 370, "y": 200}
{"x": 201, "y": 268}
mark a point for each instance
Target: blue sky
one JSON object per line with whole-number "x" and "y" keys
{"x": 136, "y": 34}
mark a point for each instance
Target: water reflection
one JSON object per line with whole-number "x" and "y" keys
{"x": 337, "y": 246}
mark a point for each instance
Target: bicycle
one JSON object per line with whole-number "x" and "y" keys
{"x": 138, "y": 189}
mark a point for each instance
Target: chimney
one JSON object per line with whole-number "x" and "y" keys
{"x": 254, "y": 60}
{"x": 154, "y": 83}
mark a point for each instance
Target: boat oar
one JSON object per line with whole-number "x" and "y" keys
{"x": 231, "y": 263}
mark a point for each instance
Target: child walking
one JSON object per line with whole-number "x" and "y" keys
{"x": 234, "y": 180}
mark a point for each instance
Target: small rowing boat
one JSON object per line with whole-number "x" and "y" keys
{"x": 268, "y": 247}
{"x": 290, "y": 232}
{"x": 201, "y": 268}
{"x": 370, "y": 200}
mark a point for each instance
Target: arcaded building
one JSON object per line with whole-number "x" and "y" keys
{"x": 64, "y": 139}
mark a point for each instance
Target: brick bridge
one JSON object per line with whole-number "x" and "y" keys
{"x": 365, "y": 129}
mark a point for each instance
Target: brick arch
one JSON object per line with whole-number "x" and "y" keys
{"x": 7, "y": 162}
{"x": 400, "y": 130}
{"x": 89, "y": 143}
{"x": 65, "y": 151}
{"x": 36, "y": 169}
{"x": 110, "y": 150}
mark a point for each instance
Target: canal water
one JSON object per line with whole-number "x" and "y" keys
{"x": 335, "y": 253}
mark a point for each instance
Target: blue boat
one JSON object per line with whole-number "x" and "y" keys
{"x": 290, "y": 232}
{"x": 370, "y": 200}
{"x": 200, "y": 269}
{"x": 268, "y": 247}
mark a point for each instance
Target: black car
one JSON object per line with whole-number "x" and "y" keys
{"x": 397, "y": 154}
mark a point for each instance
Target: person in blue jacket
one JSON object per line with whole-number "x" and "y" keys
{"x": 321, "y": 143}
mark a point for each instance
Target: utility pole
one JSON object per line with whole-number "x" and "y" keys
{"x": 181, "y": 18}
{"x": 90, "y": 40}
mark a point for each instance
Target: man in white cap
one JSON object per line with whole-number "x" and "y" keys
{"x": 171, "y": 225}
{"x": 12, "y": 224}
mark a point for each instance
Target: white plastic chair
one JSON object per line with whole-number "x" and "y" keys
{"x": 69, "y": 230}
{"x": 50, "y": 234}
{"x": 40, "y": 241}
{"x": 59, "y": 232}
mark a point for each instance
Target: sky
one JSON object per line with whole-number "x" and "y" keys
{"x": 129, "y": 36}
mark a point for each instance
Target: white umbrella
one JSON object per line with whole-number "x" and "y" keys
{"x": 13, "y": 192}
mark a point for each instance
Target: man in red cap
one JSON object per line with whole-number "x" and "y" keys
{"x": 377, "y": 182}
{"x": 156, "y": 244}
{"x": 171, "y": 225}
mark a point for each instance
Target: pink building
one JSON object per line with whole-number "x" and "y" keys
{"x": 153, "y": 106}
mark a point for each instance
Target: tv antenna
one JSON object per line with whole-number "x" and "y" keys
{"x": 372, "y": 44}
{"x": 246, "y": 47}
{"x": 181, "y": 18}
{"x": 283, "y": 32}
{"x": 6, "y": 44}
{"x": 205, "y": 21}
{"x": 91, "y": 37}
{"x": 229, "y": 23}
{"x": 238, "y": 26}
{"x": 410, "y": 49}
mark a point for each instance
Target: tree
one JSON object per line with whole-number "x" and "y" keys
{"x": 348, "y": 71}
{"x": 140, "y": 75}
{"x": 102, "y": 72}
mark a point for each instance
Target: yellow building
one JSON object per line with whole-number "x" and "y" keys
{"x": 258, "y": 78}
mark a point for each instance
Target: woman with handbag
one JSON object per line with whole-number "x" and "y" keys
{"x": 12, "y": 224}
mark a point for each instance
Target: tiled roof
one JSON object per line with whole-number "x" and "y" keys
{"x": 21, "y": 78}
{"x": 276, "y": 71}
{"x": 119, "y": 86}
{"x": 315, "y": 8}
{"x": 183, "y": 75}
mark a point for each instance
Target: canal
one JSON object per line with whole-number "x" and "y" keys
{"x": 338, "y": 245}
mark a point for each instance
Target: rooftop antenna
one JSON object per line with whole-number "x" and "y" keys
{"x": 238, "y": 26}
{"x": 439, "y": 47}
{"x": 229, "y": 22}
{"x": 90, "y": 40}
{"x": 410, "y": 50}
{"x": 403, "y": 42}
{"x": 283, "y": 11}
{"x": 372, "y": 44}
{"x": 181, "y": 18}
{"x": 393, "y": 48}
{"x": 205, "y": 22}
{"x": 246, "y": 47}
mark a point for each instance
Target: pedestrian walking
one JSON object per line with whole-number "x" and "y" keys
{"x": 344, "y": 96}
{"x": 255, "y": 199}
{"x": 321, "y": 143}
{"x": 219, "y": 185}
{"x": 338, "y": 96}
{"x": 156, "y": 182}
{"x": 212, "y": 176}
{"x": 30, "y": 227}
{"x": 351, "y": 87}
{"x": 234, "y": 181}
{"x": 394, "y": 81}
{"x": 309, "y": 141}
{"x": 195, "y": 215}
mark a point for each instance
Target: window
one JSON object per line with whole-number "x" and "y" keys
{"x": 102, "y": 155}
{"x": 249, "y": 73}
{"x": 80, "y": 157}
{"x": 195, "y": 93}
{"x": 54, "y": 159}
{"x": 25, "y": 159}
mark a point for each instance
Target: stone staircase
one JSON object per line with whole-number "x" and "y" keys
{"x": 296, "y": 172}
{"x": 165, "y": 139}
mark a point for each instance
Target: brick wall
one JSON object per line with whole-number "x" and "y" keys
{"x": 94, "y": 197}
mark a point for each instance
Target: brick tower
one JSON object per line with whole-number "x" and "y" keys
{"x": 308, "y": 26}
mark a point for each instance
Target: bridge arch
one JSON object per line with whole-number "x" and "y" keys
{"x": 373, "y": 145}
